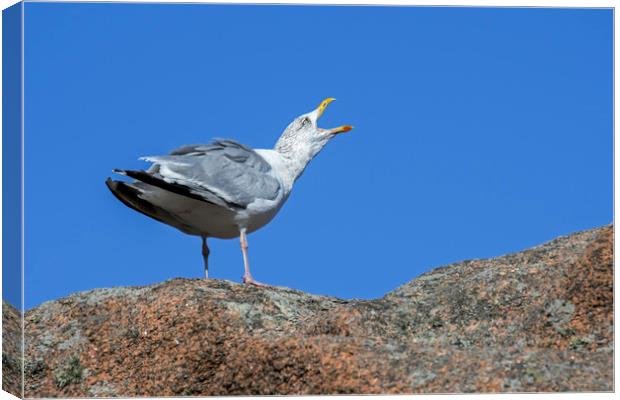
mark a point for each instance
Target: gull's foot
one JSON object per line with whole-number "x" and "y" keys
{"x": 248, "y": 280}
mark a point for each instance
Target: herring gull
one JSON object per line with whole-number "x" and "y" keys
{"x": 225, "y": 189}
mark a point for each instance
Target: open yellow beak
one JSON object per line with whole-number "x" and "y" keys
{"x": 321, "y": 110}
{"x": 324, "y": 105}
{"x": 341, "y": 129}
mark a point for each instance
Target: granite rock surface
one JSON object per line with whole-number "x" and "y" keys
{"x": 535, "y": 321}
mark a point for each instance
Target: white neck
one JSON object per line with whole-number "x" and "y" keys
{"x": 281, "y": 166}
{"x": 297, "y": 155}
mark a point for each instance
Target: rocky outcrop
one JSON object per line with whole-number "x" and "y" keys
{"x": 538, "y": 320}
{"x": 11, "y": 350}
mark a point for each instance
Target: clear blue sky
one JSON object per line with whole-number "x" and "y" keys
{"x": 478, "y": 132}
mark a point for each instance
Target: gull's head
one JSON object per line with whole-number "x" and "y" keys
{"x": 303, "y": 138}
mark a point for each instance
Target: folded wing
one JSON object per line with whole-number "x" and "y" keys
{"x": 224, "y": 172}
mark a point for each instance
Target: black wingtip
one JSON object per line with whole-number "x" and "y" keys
{"x": 119, "y": 171}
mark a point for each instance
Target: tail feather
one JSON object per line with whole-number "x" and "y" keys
{"x": 151, "y": 179}
{"x": 129, "y": 194}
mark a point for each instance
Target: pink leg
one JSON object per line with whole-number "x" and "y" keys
{"x": 247, "y": 276}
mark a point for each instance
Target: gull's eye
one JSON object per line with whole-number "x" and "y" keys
{"x": 305, "y": 121}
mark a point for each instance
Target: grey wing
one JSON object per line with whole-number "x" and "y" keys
{"x": 233, "y": 173}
